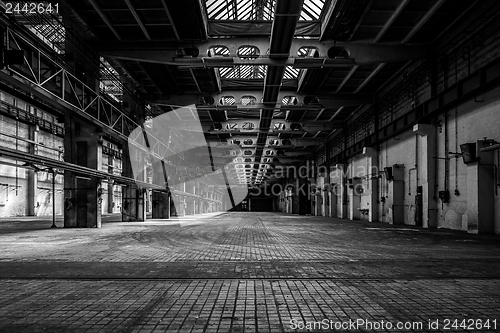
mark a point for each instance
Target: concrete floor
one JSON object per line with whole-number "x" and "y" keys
{"x": 246, "y": 272}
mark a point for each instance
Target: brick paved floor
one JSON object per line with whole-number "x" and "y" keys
{"x": 246, "y": 272}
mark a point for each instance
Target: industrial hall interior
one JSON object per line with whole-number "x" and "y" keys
{"x": 250, "y": 165}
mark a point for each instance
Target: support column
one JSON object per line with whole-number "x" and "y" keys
{"x": 334, "y": 191}
{"x": 161, "y": 201}
{"x": 342, "y": 197}
{"x": 133, "y": 198}
{"x": 161, "y": 205}
{"x": 397, "y": 194}
{"x": 320, "y": 198}
{"x": 82, "y": 146}
{"x": 371, "y": 192}
{"x": 328, "y": 189}
{"x": 354, "y": 198}
{"x": 303, "y": 192}
{"x": 481, "y": 186}
{"x": 333, "y": 201}
{"x": 32, "y": 175}
{"x": 111, "y": 197}
{"x": 427, "y": 173}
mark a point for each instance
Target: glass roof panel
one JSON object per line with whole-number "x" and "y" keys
{"x": 311, "y": 10}
{"x": 243, "y": 72}
{"x": 48, "y": 27}
{"x": 291, "y": 73}
{"x": 240, "y": 9}
{"x": 248, "y": 10}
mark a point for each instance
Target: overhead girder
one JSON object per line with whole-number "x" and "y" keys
{"x": 220, "y": 161}
{"x": 248, "y": 126}
{"x": 255, "y": 100}
{"x": 272, "y": 142}
{"x": 251, "y": 142}
{"x": 247, "y": 152}
{"x": 327, "y": 53}
{"x": 235, "y": 153}
{"x": 254, "y": 132}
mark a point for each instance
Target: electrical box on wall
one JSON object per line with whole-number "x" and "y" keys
{"x": 444, "y": 196}
{"x": 468, "y": 151}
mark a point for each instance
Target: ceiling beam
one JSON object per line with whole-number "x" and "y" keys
{"x": 391, "y": 20}
{"x": 195, "y": 80}
{"x": 372, "y": 74}
{"x": 331, "y": 105}
{"x": 346, "y": 78}
{"x": 301, "y": 101}
{"x": 138, "y": 19}
{"x": 105, "y": 18}
{"x": 336, "y": 114}
{"x": 188, "y": 18}
{"x": 319, "y": 114}
{"x": 165, "y": 7}
{"x": 467, "y": 11}
{"x": 361, "y": 19}
{"x": 328, "y": 19}
{"x": 171, "y": 53}
{"x": 423, "y": 20}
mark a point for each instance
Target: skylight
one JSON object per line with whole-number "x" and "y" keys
{"x": 240, "y": 9}
{"x": 312, "y": 10}
{"x": 48, "y": 27}
{"x": 291, "y": 73}
{"x": 248, "y": 10}
{"x": 243, "y": 72}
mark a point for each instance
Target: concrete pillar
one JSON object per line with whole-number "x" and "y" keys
{"x": 82, "y": 194}
{"x": 354, "y": 198}
{"x": 111, "y": 197}
{"x": 480, "y": 214}
{"x": 32, "y": 175}
{"x": 341, "y": 189}
{"x": 303, "y": 192}
{"x": 397, "y": 194}
{"x": 133, "y": 198}
{"x": 320, "y": 199}
{"x": 374, "y": 198}
{"x": 161, "y": 205}
{"x": 134, "y": 202}
{"x": 333, "y": 201}
{"x": 371, "y": 191}
{"x": 182, "y": 209}
{"x": 426, "y": 169}
{"x": 161, "y": 201}
{"x": 326, "y": 202}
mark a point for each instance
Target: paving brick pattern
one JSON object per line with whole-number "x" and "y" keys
{"x": 241, "y": 272}
{"x": 239, "y": 305}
